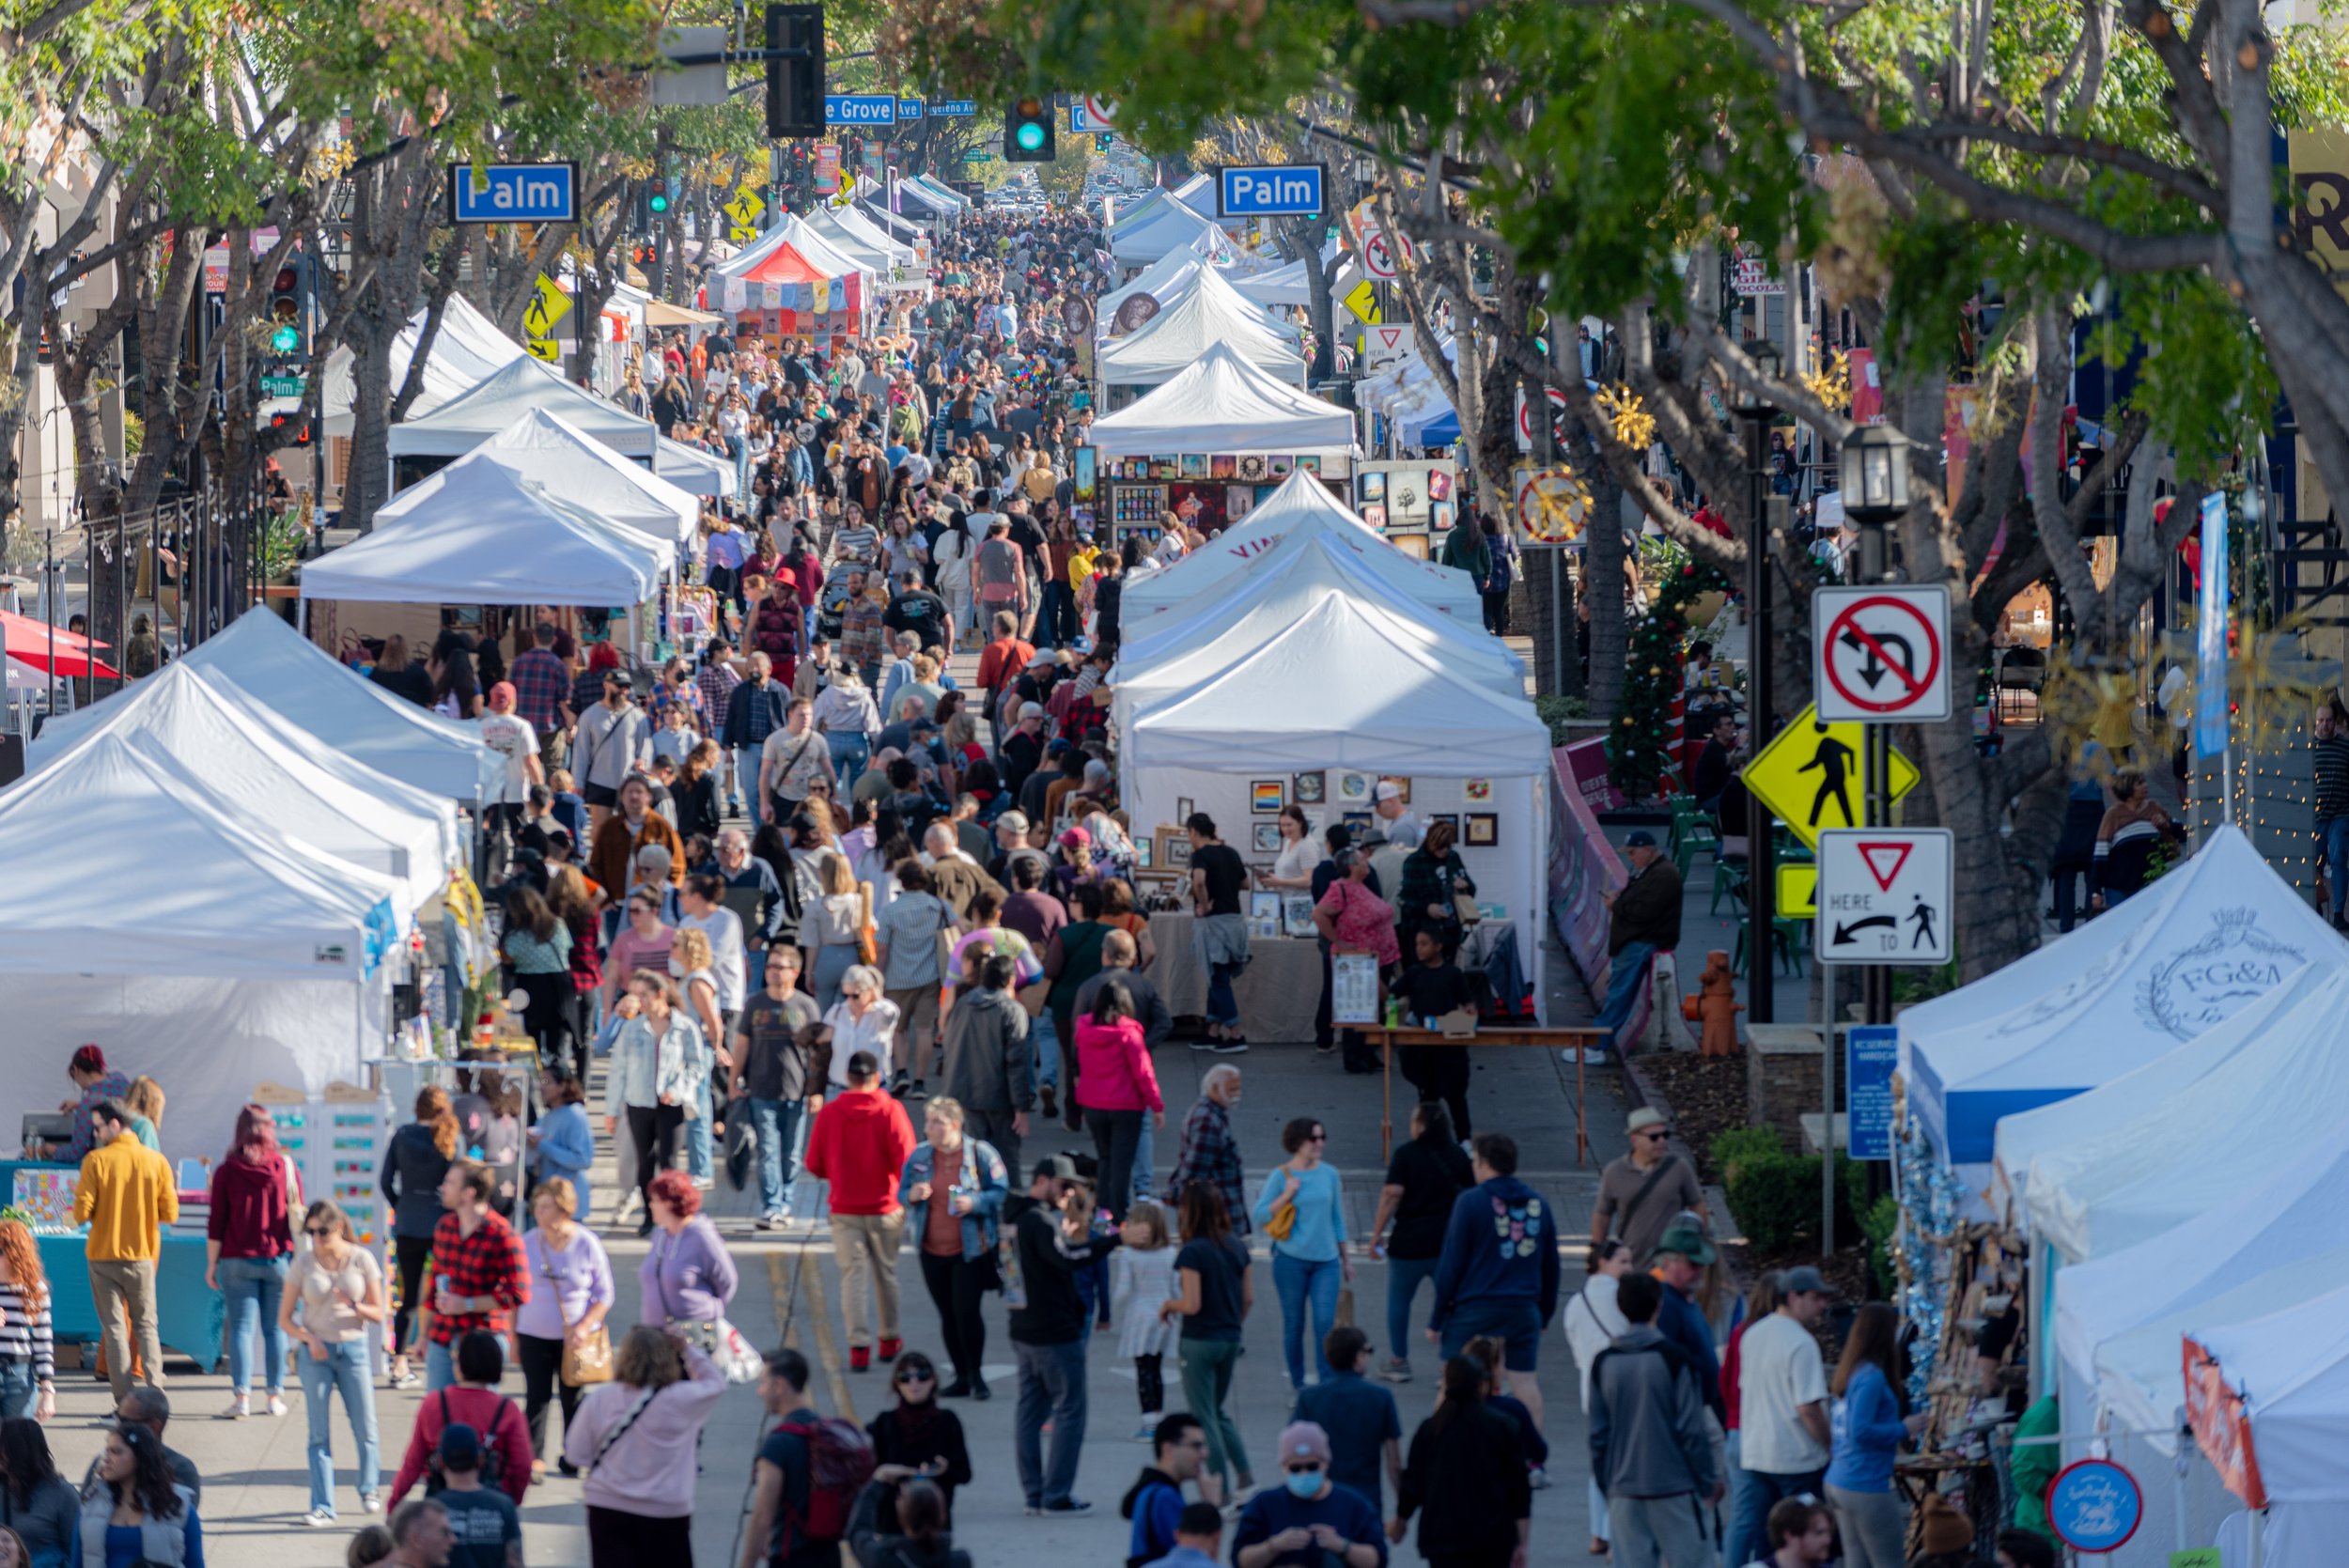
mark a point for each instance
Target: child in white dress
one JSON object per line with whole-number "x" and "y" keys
{"x": 1141, "y": 1278}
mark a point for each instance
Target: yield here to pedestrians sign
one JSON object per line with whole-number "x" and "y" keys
{"x": 1884, "y": 896}
{"x": 1881, "y": 653}
{"x": 1810, "y": 776}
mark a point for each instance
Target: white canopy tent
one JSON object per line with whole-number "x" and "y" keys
{"x": 2220, "y": 930}
{"x": 1209, "y": 313}
{"x": 1223, "y": 403}
{"x": 1303, "y": 510}
{"x": 817, "y": 250}
{"x": 953, "y": 201}
{"x": 1287, "y": 285}
{"x": 1139, "y": 240}
{"x": 229, "y": 749}
{"x": 897, "y": 224}
{"x": 480, "y": 534}
{"x": 1165, "y": 281}
{"x": 852, "y": 235}
{"x": 1197, "y": 193}
{"x": 467, "y": 348}
{"x": 505, "y": 397}
{"x": 2292, "y": 1370}
{"x": 693, "y": 471}
{"x": 259, "y": 660}
{"x": 199, "y": 941}
{"x": 551, "y": 450}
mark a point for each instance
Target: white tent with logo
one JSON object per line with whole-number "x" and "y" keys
{"x": 228, "y": 748}
{"x": 2212, "y": 936}
{"x": 198, "y": 939}
{"x": 479, "y": 534}
{"x": 551, "y": 450}
{"x": 1207, "y": 314}
{"x": 1221, "y": 402}
{"x": 467, "y": 348}
{"x": 1164, "y": 281}
{"x": 1301, "y": 511}
{"x": 260, "y": 660}
{"x": 505, "y": 397}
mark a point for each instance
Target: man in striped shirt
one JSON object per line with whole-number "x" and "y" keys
{"x": 2332, "y": 801}
{"x": 716, "y": 681}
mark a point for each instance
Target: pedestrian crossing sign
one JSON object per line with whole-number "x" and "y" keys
{"x": 1811, "y": 777}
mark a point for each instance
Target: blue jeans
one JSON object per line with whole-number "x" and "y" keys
{"x": 1058, "y": 623}
{"x": 779, "y": 1124}
{"x": 1145, "y": 1150}
{"x": 440, "y": 1367}
{"x": 2332, "y": 837}
{"x": 253, "y": 1287}
{"x": 697, "y": 1132}
{"x": 746, "y": 784}
{"x": 1299, "y": 1283}
{"x": 1404, "y": 1277}
{"x": 1752, "y": 1494}
{"x": 345, "y": 1370}
{"x": 1051, "y": 1388}
{"x": 1045, "y": 1041}
{"x": 848, "y": 752}
{"x": 1223, "y": 1006}
{"x": 1624, "y": 972}
{"x": 19, "y": 1389}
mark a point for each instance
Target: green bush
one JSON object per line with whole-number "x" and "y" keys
{"x": 1739, "y": 1146}
{"x": 1877, "y": 1222}
{"x": 1555, "y": 712}
{"x": 1775, "y": 1195}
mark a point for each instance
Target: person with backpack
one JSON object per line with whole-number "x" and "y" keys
{"x": 638, "y": 1438}
{"x": 1651, "y": 1449}
{"x": 1179, "y": 1447}
{"x": 810, "y": 1474}
{"x": 472, "y": 1400}
{"x": 1050, "y": 1244}
{"x": 486, "y": 1525}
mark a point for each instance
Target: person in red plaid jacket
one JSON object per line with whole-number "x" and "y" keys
{"x": 479, "y": 1273}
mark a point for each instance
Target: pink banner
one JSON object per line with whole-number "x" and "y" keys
{"x": 1585, "y": 772}
{"x": 1582, "y": 867}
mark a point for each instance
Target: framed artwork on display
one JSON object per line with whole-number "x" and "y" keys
{"x": 1266, "y": 837}
{"x": 1296, "y": 915}
{"x": 1477, "y": 789}
{"x": 1221, "y": 465}
{"x": 1357, "y": 823}
{"x": 1251, "y": 466}
{"x": 1265, "y": 797}
{"x": 1446, "y": 816}
{"x": 1167, "y": 467}
{"x": 1144, "y": 857}
{"x": 1353, "y": 788}
{"x": 1439, "y": 515}
{"x": 1279, "y": 465}
{"x": 1175, "y": 853}
{"x": 1375, "y": 514}
{"x": 1194, "y": 465}
{"x": 1373, "y": 484}
{"x": 1309, "y": 788}
{"x": 1184, "y": 809}
{"x": 1484, "y": 830}
{"x": 1309, "y": 462}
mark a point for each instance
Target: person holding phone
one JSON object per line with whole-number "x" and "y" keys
{"x": 917, "y": 1439}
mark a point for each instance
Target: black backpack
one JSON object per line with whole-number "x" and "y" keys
{"x": 492, "y": 1461}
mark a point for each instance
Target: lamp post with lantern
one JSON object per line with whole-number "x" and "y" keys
{"x": 1757, "y": 413}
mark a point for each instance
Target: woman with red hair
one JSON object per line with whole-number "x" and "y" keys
{"x": 688, "y": 1277}
{"x": 249, "y": 1249}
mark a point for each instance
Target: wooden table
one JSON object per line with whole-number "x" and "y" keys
{"x": 1580, "y": 1041}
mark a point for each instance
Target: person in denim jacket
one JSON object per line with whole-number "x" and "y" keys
{"x": 953, "y": 1188}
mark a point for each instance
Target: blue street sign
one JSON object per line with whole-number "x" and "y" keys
{"x": 908, "y": 108}
{"x": 1269, "y": 190}
{"x": 1870, "y": 1051}
{"x": 860, "y": 109}
{"x": 513, "y": 193}
{"x": 954, "y": 108}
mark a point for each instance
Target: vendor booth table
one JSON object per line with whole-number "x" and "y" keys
{"x": 190, "y": 1314}
{"x": 1278, "y": 991}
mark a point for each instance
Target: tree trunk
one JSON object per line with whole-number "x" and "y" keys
{"x": 1602, "y": 586}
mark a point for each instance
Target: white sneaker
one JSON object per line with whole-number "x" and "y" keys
{"x": 370, "y": 1503}
{"x": 238, "y": 1407}
{"x": 706, "y": 1184}
{"x": 318, "y": 1518}
{"x": 276, "y": 1404}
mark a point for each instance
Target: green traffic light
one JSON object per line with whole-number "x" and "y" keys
{"x": 285, "y": 339}
{"x": 660, "y": 204}
{"x": 1031, "y": 137}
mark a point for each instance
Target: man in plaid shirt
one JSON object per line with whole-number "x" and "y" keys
{"x": 1208, "y": 1153}
{"x": 479, "y": 1273}
{"x": 717, "y": 681}
{"x": 541, "y": 686}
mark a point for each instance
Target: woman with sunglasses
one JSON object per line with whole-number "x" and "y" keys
{"x": 1302, "y": 1208}
{"x": 333, "y": 1298}
{"x": 917, "y": 1439}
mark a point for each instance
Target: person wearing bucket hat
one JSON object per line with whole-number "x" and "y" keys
{"x": 1644, "y": 919}
{"x": 1309, "y": 1519}
{"x": 1783, "y": 1428}
{"x": 1639, "y": 1191}
{"x": 1683, "y": 1254}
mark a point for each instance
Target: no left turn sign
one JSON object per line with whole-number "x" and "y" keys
{"x": 1880, "y": 655}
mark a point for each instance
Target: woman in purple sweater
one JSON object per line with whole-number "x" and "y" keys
{"x": 688, "y": 1277}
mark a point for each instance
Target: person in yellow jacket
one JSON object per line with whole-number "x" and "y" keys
{"x": 126, "y": 1197}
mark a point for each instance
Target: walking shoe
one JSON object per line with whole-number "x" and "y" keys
{"x": 276, "y": 1404}
{"x": 318, "y": 1518}
{"x": 921, "y": 1090}
{"x": 766, "y": 1221}
{"x": 958, "y": 1388}
{"x": 370, "y": 1503}
{"x": 1228, "y": 1047}
{"x": 238, "y": 1408}
{"x": 1146, "y": 1431}
{"x": 889, "y": 1349}
{"x": 899, "y": 1082}
{"x": 1068, "y": 1506}
{"x": 1203, "y": 1043}
{"x": 1396, "y": 1370}
{"x": 1537, "y": 1478}
{"x": 860, "y": 1357}
{"x": 705, "y": 1184}
{"x": 1049, "y": 1101}
{"x": 979, "y": 1388}
{"x": 405, "y": 1379}
{"x": 1033, "y": 1511}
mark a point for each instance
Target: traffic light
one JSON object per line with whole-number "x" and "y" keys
{"x": 1028, "y": 131}
{"x": 290, "y": 306}
{"x": 656, "y": 196}
{"x": 795, "y": 89}
{"x": 295, "y": 421}
{"x": 1101, "y": 141}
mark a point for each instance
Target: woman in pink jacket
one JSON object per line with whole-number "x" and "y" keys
{"x": 1116, "y": 1084}
{"x": 638, "y": 1438}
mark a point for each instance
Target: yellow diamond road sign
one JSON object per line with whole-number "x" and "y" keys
{"x": 745, "y": 207}
{"x": 1364, "y": 301}
{"x": 550, "y": 305}
{"x": 1810, "y": 776}
{"x": 1798, "y": 893}
{"x": 542, "y": 349}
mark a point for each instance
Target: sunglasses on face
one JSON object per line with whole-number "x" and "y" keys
{"x": 915, "y": 1374}
{"x": 1303, "y": 1470}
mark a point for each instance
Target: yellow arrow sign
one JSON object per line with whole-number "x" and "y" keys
{"x": 1364, "y": 301}
{"x": 1798, "y": 893}
{"x": 745, "y": 207}
{"x": 548, "y": 307}
{"x": 542, "y": 349}
{"x": 1810, "y": 776}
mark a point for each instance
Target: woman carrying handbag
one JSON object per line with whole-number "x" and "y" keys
{"x": 560, "y": 1340}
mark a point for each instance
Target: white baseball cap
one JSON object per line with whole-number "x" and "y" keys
{"x": 1387, "y": 790}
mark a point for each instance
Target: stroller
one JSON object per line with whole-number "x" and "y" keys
{"x": 831, "y": 599}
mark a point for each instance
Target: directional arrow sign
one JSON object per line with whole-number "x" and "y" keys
{"x": 1881, "y": 653}
{"x": 1809, "y": 776}
{"x": 1886, "y": 896}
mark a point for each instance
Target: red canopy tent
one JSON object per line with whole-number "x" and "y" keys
{"x": 29, "y": 641}
{"x": 813, "y": 300}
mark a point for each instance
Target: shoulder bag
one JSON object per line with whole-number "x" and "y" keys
{"x": 586, "y": 1360}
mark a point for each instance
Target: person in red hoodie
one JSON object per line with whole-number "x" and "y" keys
{"x": 475, "y": 1401}
{"x": 249, "y": 1247}
{"x": 860, "y": 1143}
{"x": 1115, "y": 1085}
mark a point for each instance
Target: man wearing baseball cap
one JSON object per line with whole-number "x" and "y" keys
{"x": 1309, "y": 1519}
{"x": 1781, "y": 1410}
{"x": 1639, "y": 1192}
{"x": 1400, "y": 827}
{"x": 1643, "y": 920}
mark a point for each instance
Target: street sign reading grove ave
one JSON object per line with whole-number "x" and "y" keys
{"x": 1881, "y": 653}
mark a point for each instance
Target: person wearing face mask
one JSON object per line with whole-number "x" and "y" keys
{"x": 1309, "y": 1519}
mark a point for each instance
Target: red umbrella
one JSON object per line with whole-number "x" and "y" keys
{"x": 22, "y": 631}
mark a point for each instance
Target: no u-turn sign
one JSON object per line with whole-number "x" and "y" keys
{"x": 1880, "y": 655}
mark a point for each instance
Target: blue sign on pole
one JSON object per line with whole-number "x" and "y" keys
{"x": 513, "y": 193}
{"x": 860, "y": 109}
{"x": 908, "y": 108}
{"x": 2210, "y": 633}
{"x": 2095, "y": 1505}
{"x": 1269, "y": 190}
{"x": 1870, "y": 1053}
{"x": 954, "y": 108}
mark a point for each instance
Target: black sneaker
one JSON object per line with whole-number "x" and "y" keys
{"x": 979, "y": 1388}
{"x": 900, "y": 1083}
{"x": 958, "y": 1388}
{"x": 1048, "y": 1100}
{"x": 1067, "y": 1505}
{"x": 1233, "y": 1047}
